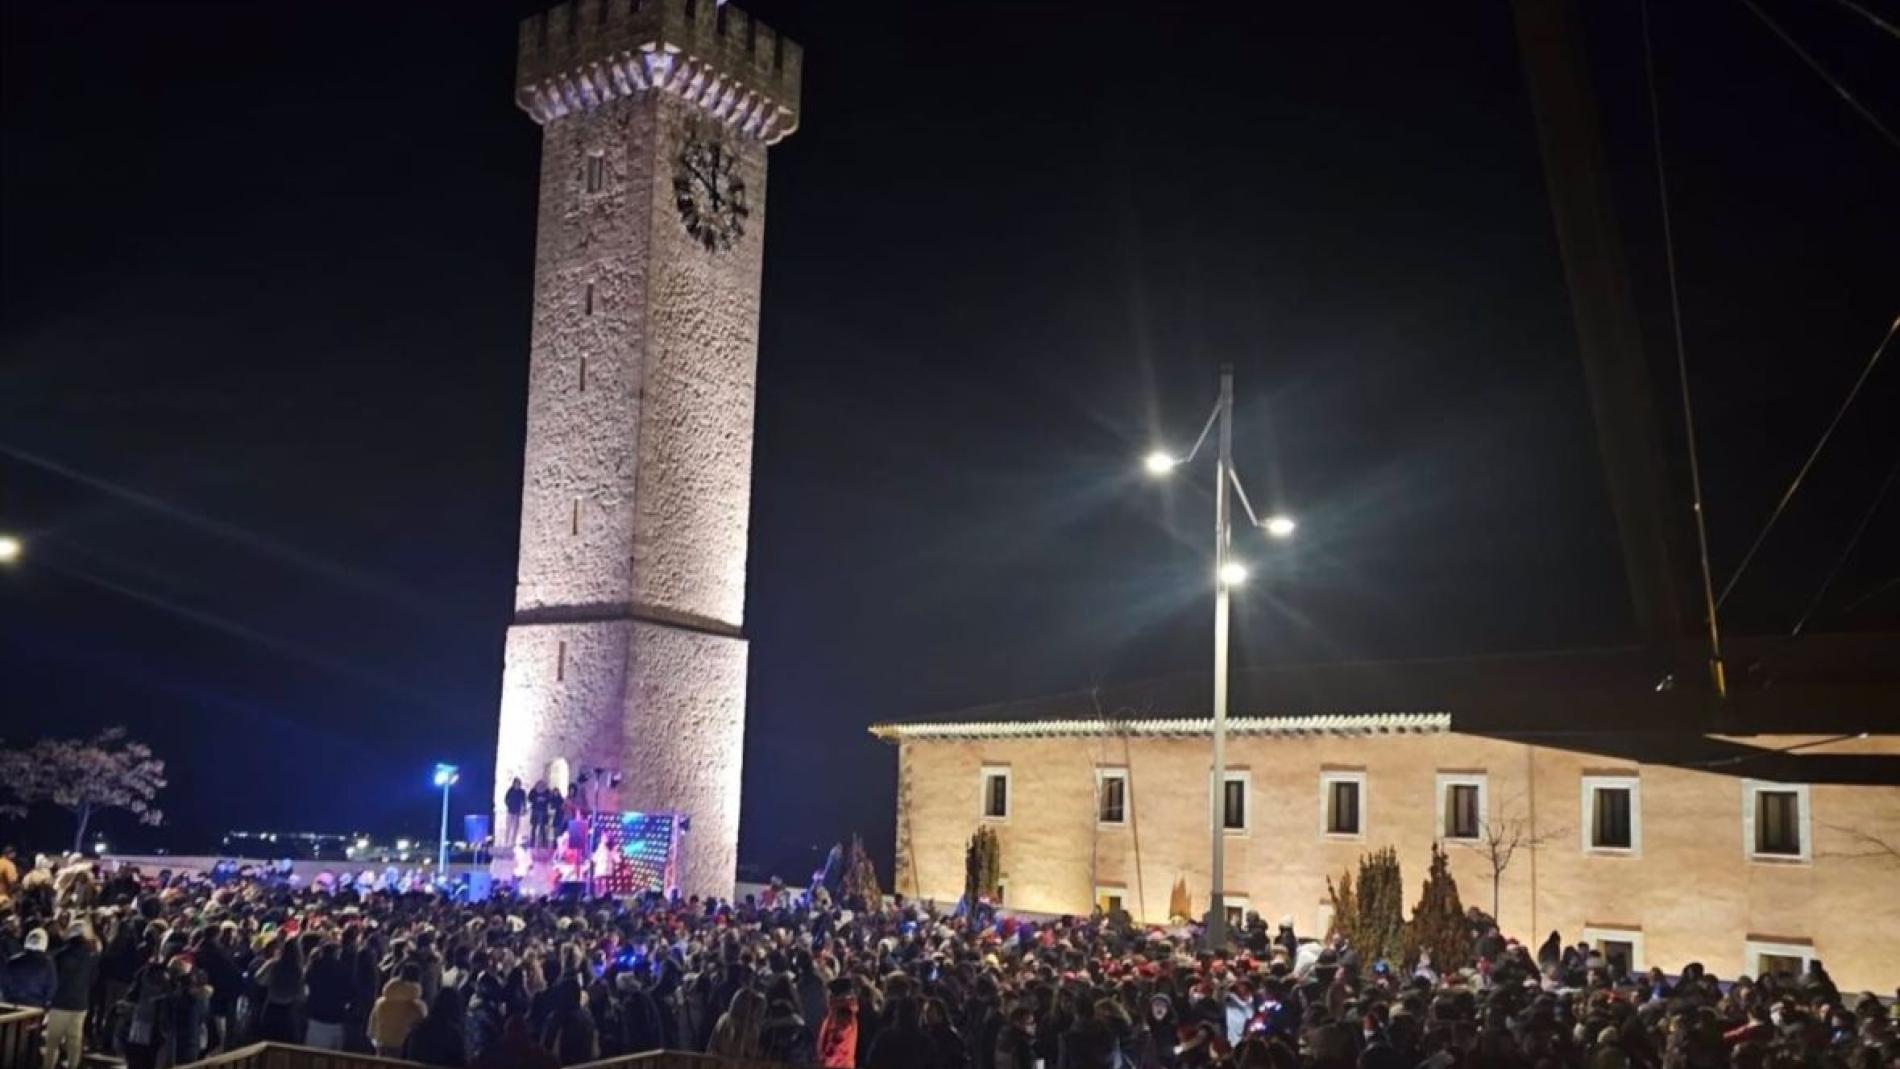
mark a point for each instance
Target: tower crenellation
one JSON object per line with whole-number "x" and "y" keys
{"x": 584, "y": 53}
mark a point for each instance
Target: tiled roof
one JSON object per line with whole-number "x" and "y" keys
{"x": 1182, "y": 727}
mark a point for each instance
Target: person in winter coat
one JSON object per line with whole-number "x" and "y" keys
{"x": 487, "y": 1015}
{"x": 28, "y": 978}
{"x": 440, "y": 1039}
{"x": 569, "y": 1031}
{"x": 948, "y": 1050}
{"x": 1089, "y": 1044}
{"x": 902, "y": 1045}
{"x": 737, "y": 1033}
{"x": 282, "y": 980}
{"x": 397, "y": 1013}
{"x": 783, "y": 1036}
{"x": 838, "y": 1036}
{"x": 328, "y": 1009}
{"x": 516, "y": 1050}
{"x": 1016, "y": 1043}
{"x": 75, "y": 966}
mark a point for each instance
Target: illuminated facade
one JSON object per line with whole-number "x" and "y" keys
{"x": 627, "y": 649}
{"x": 1662, "y": 865}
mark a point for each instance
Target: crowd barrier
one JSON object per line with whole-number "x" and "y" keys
{"x": 282, "y": 1056}
{"x": 18, "y": 1024}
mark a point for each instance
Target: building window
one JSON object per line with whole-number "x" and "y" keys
{"x": 1775, "y": 821}
{"x": 583, "y": 374}
{"x": 1612, "y": 814}
{"x": 1111, "y": 899}
{"x": 1461, "y": 805}
{"x": 560, "y": 661}
{"x": 996, "y": 792}
{"x": 1768, "y": 957}
{"x": 596, "y": 169}
{"x": 1235, "y": 907}
{"x": 1234, "y": 801}
{"x": 1622, "y": 948}
{"x": 587, "y": 300}
{"x": 1111, "y": 797}
{"x": 1342, "y": 804}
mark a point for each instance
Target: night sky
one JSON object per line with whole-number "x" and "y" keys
{"x": 264, "y": 349}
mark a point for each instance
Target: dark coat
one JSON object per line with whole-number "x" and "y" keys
{"x": 898, "y": 1047}
{"x": 784, "y": 1037}
{"x": 28, "y": 979}
{"x": 75, "y": 967}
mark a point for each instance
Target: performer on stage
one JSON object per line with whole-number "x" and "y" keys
{"x": 542, "y": 803}
{"x": 516, "y": 802}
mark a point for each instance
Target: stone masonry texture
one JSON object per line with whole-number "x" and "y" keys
{"x": 627, "y": 649}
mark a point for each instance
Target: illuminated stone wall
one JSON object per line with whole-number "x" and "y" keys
{"x": 627, "y": 650}
{"x": 1690, "y": 891}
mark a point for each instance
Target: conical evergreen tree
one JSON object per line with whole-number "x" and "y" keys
{"x": 1381, "y": 913}
{"x": 1345, "y": 908}
{"x": 1438, "y": 921}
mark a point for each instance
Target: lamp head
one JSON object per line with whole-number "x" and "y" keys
{"x": 1233, "y": 573}
{"x": 445, "y": 775}
{"x": 11, "y": 549}
{"x": 1159, "y": 463}
{"x": 1279, "y": 526}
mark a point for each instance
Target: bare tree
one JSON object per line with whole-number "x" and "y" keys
{"x": 1501, "y": 836}
{"x": 1867, "y": 846}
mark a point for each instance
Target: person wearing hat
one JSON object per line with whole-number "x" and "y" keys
{"x": 75, "y": 966}
{"x": 28, "y": 978}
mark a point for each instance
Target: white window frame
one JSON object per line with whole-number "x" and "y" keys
{"x": 1753, "y": 949}
{"x": 1217, "y": 802}
{"x": 983, "y": 794}
{"x": 1448, "y": 780}
{"x": 1103, "y": 890}
{"x": 1103, "y": 774}
{"x": 1237, "y": 903}
{"x": 1639, "y": 957}
{"x": 1329, "y": 777}
{"x": 1588, "y": 813}
{"x": 1803, "y": 819}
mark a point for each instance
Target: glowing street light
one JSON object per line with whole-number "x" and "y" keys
{"x": 1228, "y": 574}
{"x": 11, "y": 549}
{"x": 445, "y": 777}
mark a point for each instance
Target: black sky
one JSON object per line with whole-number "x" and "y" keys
{"x": 266, "y": 305}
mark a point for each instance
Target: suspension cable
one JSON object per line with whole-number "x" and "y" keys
{"x": 1850, "y": 5}
{"x": 1717, "y": 675}
{"x": 1795, "y": 484}
{"x": 1848, "y": 551}
{"x": 1826, "y": 76}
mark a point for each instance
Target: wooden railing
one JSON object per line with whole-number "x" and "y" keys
{"x": 284, "y": 1056}
{"x": 18, "y": 1025}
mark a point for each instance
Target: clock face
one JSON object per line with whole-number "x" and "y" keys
{"x": 709, "y": 193}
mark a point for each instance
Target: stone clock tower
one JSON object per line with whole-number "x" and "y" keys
{"x": 627, "y": 651}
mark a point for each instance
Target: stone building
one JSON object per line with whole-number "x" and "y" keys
{"x": 1700, "y": 851}
{"x": 627, "y": 651}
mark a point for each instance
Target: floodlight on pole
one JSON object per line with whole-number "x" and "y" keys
{"x": 1159, "y": 463}
{"x": 11, "y": 549}
{"x": 1279, "y": 526}
{"x": 1233, "y": 573}
{"x": 445, "y": 777}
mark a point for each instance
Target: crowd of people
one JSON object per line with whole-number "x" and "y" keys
{"x": 166, "y": 968}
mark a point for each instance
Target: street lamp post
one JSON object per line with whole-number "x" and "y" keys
{"x": 445, "y": 777}
{"x": 1228, "y": 573}
{"x": 1224, "y": 579}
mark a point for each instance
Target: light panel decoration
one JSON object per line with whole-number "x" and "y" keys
{"x": 635, "y": 852}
